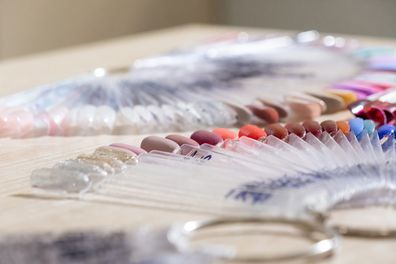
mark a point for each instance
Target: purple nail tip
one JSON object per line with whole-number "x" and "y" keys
{"x": 204, "y": 136}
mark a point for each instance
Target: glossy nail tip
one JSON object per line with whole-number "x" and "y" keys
{"x": 134, "y": 149}
{"x": 206, "y": 137}
{"x": 252, "y": 131}
{"x": 182, "y": 140}
{"x": 356, "y": 125}
{"x": 277, "y": 130}
{"x": 151, "y": 143}
{"x": 224, "y": 133}
{"x": 386, "y": 130}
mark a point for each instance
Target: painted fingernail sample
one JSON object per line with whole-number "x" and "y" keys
{"x": 182, "y": 140}
{"x": 369, "y": 125}
{"x": 224, "y": 133}
{"x": 348, "y": 96}
{"x": 329, "y": 126}
{"x": 158, "y": 143}
{"x": 266, "y": 113}
{"x": 204, "y": 136}
{"x": 312, "y": 127}
{"x": 343, "y": 126}
{"x": 386, "y": 130}
{"x": 296, "y": 128}
{"x": 333, "y": 102}
{"x": 252, "y": 131}
{"x": 282, "y": 112}
{"x": 277, "y": 130}
{"x": 134, "y": 149}
{"x": 357, "y": 125}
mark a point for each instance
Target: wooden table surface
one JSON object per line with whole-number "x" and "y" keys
{"x": 21, "y": 213}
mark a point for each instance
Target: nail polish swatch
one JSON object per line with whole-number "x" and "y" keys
{"x": 313, "y": 127}
{"x": 296, "y": 128}
{"x": 182, "y": 140}
{"x": 158, "y": 143}
{"x": 277, "y": 130}
{"x": 204, "y": 136}
{"x": 329, "y": 126}
{"x": 252, "y": 131}
{"x": 224, "y": 133}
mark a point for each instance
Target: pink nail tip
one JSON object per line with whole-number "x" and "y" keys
{"x": 182, "y": 140}
{"x": 131, "y": 148}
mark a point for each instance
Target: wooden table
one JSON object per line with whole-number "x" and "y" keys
{"x": 21, "y": 213}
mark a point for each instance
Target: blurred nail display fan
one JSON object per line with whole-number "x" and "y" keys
{"x": 222, "y": 83}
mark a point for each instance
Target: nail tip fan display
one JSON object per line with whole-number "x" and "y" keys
{"x": 217, "y": 84}
{"x": 293, "y": 179}
{"x": 288, "y": 174}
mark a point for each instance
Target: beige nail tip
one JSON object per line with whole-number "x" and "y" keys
{"x": 151, "y": 143}
{"x": 304, "y": 106}
{"x": 333, "y": 102}
{"x": 306, "y": 111}
{"x": 305, "y": 99}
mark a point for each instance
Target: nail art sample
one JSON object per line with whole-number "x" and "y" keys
{"x": 181, "y": 140}
{"x": 356, "y": 125}
{"x": 333, "y": 102}
{"x": 276, "y": 130}
{"x": 296, "y": 128}
{"x": 206, "y": 137}
{"x": 343, "y": 126}
{"x": 252, "y": 131}
{"x": 266, "y": 113}
{"x": 312, "y": 127}
{"x": 386, "y": 130}
{"x": 369, "y": 126}
{"x": 348, "y": 96}
{"x": 329, "y": 126}
{"x": 282, "y": 112}
{"x": 158, "y": 143}
{"x": 224, "y": 133}
{"x": 134, "y": 149}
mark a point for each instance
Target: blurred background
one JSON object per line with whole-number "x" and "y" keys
{"x": 31, "y": 26}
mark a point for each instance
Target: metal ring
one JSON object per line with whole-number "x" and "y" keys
{"x": 349, "y": 231}
{"x": 180, "y": 236}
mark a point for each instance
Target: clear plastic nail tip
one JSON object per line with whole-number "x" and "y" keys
{"x": 68, "y": 181}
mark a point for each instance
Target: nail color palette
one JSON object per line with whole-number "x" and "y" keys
{"x": 280, "y": 173}
{"x": 228, "y": 83}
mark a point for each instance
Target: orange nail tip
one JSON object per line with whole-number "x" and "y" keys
{"x": 252, "y": 131}
{"x": 224, "y": 133}
{"x": 344, "y": 126}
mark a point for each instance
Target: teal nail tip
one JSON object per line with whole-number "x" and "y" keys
{"x": 356, "y": 125}
{"x": 369, "y": 126}
{"x": 386, "y": 130}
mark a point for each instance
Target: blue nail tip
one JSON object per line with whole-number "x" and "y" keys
{"x": 386, "y": 130}
{"x": 356, "y": 125}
